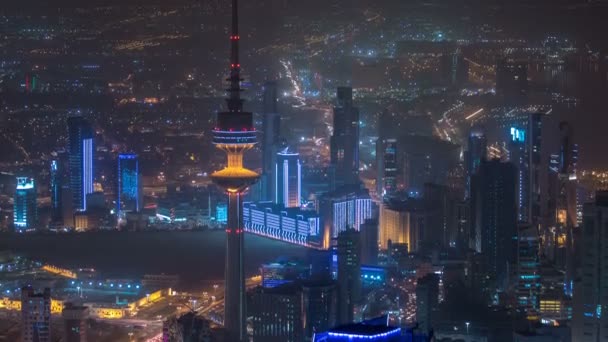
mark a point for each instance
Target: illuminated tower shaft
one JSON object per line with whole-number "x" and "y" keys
{"x": 234, "y": 134}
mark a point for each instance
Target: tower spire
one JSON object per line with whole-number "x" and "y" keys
{"x": 235, "y": 103}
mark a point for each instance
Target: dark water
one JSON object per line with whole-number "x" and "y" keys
{"x": 195, "y": 256}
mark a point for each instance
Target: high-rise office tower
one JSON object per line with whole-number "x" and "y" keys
{"x": 129, "y": 184}
{"x": 349, "y": 274}
{"x": 75, "y": 323}
{"x": 519, "y": 156}
{"x": 277, "y": 314}
{"x": 427, "y": 301}
{"x": 476, "y": 152}
{"x": 288, "y": 181}
{"x": 234, "y": 134}
{"x": 35, "y": 315}
{"x": 494, "y": 218}
{"x": 80, "y": 135}
{"x": 525, "y": 153}
{"x": 345, "y": 139}
{"x": 386, "y": 161}
{"x": 589, "y": 321}
{"x": 528, "y": 271}
{"x": 271, "y": 125}
{"x": 25, "y": 209}
{"x": 56, "y": 192}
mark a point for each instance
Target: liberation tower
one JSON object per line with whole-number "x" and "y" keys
{"x": 234, "y": 134}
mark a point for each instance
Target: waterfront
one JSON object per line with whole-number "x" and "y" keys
{"x": 194, "y": 256}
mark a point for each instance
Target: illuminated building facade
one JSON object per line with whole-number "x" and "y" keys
{"x": 528, "y": 271}
{"x": 80, "y": 135}
{"x": 361, "y": 332}
{"x": 288, "y": 181}
{"x": 25, "y": 210}
{"x": 386, "y": 159}
{"x": 56, "y": 193}
{"x": 344, "y": 208}
{"x": 279, "y": 273}
{"x": 345, "y": 139}
{"x": 394, "y": 225}
{"x": 293, "y": 225}
{"x": 234, "y": 134}
{"x": 563, "y": 205}
{"x": 129, "y": 184}
{"x": 35, "y": 315}
{"x": 525, "y": 154}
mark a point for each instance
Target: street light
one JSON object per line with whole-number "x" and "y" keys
{"x": 467, "y": 324}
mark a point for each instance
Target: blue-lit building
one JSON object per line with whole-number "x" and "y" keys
{"x": 221, "y": 213}
{"x": 279, "y": 273}
{"x": 372, "y": 276}
{"x": 293, "y": 225}
{"x": 56, "y": 192}
{"x": 525, "y": 153}
{"x": 288, "y": 179}
{"x": 80, "y": 136}
{"x": 347, "y": 207}
{"x": 129, "y": 195}
{"x": 519, "y": 155}
{"x": 25, "y": 211}
{"x": 372, "y": 330}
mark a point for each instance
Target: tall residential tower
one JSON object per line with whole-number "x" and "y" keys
{"x": 234, "y": 134}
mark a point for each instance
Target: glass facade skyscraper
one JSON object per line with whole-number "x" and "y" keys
{"x": 25, "y": 211}
{"x": 129, "y": 184}
{"x": 288, "y": 181}
{"x": 56, "y": 192}
{"x": 80, "y": 135}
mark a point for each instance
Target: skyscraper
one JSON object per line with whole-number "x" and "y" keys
{"x": 528, "y": 271}
{"x": 271, "y": 126}
{"x": 80, "y": 135}
{"x": 234, "y": 134}
{"x": 56, "y": 192}
{"x": 476, "y": 152}
{"x": 25, "y": 210}
{"x": 129, "y": 184}
{"x": 349, "y": 274}
{"x": 277, "y": 314}
{"x": 519, "y": 156}
{"x": 345, "y": 138}
{"x": 35, "y": 315}
{"x": 590, "y": 322}
{"x": 494, "y": 218}
{"x": 386, "y": 160}
{"x": 288, "y": 181}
